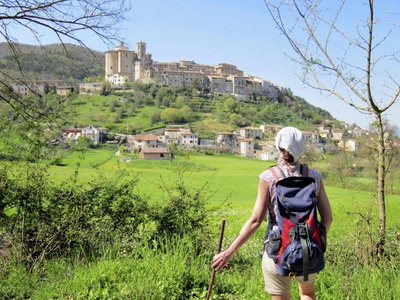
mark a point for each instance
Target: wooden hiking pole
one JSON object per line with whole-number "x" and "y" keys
{"x": 221, "y": 235}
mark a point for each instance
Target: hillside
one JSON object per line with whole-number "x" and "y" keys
{"x": 144, "y": 108}
{"x": 53, "y": 61}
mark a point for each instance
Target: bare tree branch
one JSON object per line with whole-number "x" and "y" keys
{"x": 357, "y": 63}
{"x": 66, "y": 20}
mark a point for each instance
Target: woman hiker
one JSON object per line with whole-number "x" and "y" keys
{"x": 291, "y": 144}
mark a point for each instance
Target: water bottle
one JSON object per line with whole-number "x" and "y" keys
{"x": 274, "y": 243}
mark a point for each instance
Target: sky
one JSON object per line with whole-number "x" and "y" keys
{"x": 239, "y": 32}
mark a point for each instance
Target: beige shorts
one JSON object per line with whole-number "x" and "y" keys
{"x": 276, "y": 284}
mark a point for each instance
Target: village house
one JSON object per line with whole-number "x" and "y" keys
{"x": 320, "y": 127}
{"x": 251, "y": 132}
{"x": 357, "y": 132}
{"x": 71, "y": 133}
{"x": 145, "y": 141}
{"x": 257, "y": 151}
{"x": 181, "y": 136}
{"x": 311, "y": 137}
{"x": 349, "y": 145}
{"x": 325, "y": 135}
{"x": 156, "y": 153}
{"x": 189, "y": 139}
{"x": 269, "y": 152}
{"x": 337, "y": 134}
{"x": 90, "y": 87}
{"x": 246, "y": 146}
{"x": 225, "y": 138}
{"x": 270, "y": 130}
{"x": 96, "y": 134}
{"x": 42, "y": 87}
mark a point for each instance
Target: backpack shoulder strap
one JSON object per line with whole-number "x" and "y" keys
{"x": 303, "y": 170}
{"x": 278, "y": 173}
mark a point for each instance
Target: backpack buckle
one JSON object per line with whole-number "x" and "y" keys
{"x": 292, "y": 274}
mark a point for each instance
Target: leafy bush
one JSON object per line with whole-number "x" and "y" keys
{"x": 185, "y": 211}
{"x": 45, "y": 220}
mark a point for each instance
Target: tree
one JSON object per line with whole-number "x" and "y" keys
{"x": 171, "y": 115}
{"x": 65, "y": 20}
{"x": 180, "y": 102}
{"x": 232, "y": 105}
{"x": 354, "y": 59}
{"x": 236, "y": 119}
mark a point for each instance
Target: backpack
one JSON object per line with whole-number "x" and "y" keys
{"x": 298, "y": 241}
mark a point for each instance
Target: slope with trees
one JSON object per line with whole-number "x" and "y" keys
{"x": 53, "y": 62}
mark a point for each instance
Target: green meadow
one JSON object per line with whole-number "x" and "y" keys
{"x": 233, "y": 179}
{"x": 178, "y": 272}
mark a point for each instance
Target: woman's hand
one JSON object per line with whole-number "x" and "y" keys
{"x": 221, "y": 260}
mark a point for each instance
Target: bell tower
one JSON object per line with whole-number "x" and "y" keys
{"x": 141, "y": 50}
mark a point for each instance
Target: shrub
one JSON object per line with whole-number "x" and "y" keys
{"x": 185, "y": 211}
{"x": 45, "y": 220}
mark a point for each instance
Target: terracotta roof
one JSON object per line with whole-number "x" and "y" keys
{"x": 146, "y": 137}
{"x": 242, "y": 139}
{"x": 251, "y": 128}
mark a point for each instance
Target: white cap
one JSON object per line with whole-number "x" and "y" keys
{"x": 292, "y": 140}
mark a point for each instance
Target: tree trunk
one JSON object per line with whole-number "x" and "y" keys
{"x": 381, "y": 186}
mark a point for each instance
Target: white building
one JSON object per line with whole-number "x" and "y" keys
{"x": 96, "y": 134}
{"x": 311, "y": 137}
{"x": 270, "y": 130}
{"x": 226, "y": 138}
{"x": 251, "y": 132}
{"x": 145, "y": 141}
{"x": 246, "y": 146}
{"x": 183, "y": 136}
{"x": 269, "y": 153}
{"x": 349, "y": 145}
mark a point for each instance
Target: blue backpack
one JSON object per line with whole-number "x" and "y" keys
{"x": 298, "y": 241}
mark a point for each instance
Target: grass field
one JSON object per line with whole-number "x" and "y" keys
{"x": 151, "y": 275}
{"x": 232, "y": 178}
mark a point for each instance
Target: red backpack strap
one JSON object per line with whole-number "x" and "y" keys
{"x": 278, "y": 174}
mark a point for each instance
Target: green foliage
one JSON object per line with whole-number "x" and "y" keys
{"x": 174, "y": 115}
{"x": 45, "y": 220}
{"x": 232, "y": 106}
{"x": 185, "y": 210}
{"x": 56, "y": 161}
{"x": 79, "y": 63}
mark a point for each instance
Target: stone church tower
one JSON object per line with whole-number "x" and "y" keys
{"x": 122, "y": 64}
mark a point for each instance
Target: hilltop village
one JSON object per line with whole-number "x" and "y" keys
{"x": 123, "y": 65}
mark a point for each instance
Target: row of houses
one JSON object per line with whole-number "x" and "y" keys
{"x": 251, "y": 142}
